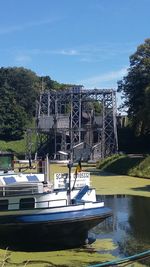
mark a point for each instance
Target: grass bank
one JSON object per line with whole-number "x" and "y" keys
{"x": 17, "y": 147}
{"x": 132, "y": 165}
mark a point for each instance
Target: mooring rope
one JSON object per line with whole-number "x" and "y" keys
{"x": 126, "y": 260}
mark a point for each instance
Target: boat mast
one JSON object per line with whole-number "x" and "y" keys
{"x": 70, "y": 164}
{"x": 46, "y": 171}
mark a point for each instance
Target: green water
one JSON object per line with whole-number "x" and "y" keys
{"x": 126, "y": 233}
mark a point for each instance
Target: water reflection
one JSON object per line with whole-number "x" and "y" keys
{"x": 129, "y": 228}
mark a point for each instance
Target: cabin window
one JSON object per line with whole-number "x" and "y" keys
{"x": 4, "y": 204}
{"x": 27, "y": 203}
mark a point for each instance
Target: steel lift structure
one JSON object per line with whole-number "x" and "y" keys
{"x": 77, "y": 121}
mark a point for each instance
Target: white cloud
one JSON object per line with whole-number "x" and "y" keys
{"x": 69, "y": 52}
{"x": 98, "y": 80}
{"x": 105, "y": 51}
{"x": 86, "y": 53}
{"x": 63, "y": 52}
{"x": 23, "y": 59}
{"x": 20, "y": 27}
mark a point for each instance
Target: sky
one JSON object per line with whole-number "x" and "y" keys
{"x": 86, "y": 42}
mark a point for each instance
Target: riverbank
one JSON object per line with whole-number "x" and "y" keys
{"x": 137, "y": 165}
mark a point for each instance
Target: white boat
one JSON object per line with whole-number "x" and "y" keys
{"x": 34, "y": 211}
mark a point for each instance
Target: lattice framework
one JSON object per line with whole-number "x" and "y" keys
{"x": 53, "y": 104}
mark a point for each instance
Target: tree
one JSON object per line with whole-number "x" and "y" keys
{"x": 19, "y": 89}
{"x": 135, "y": 87}
{"x": 25, "y": 86}
{"x": 19, "y": 92}
{"x": 12, "y": 116}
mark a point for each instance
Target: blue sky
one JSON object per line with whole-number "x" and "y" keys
{"x": 84, "y": 42}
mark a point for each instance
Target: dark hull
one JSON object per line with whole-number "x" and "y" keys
{"x": 49, "y": 235}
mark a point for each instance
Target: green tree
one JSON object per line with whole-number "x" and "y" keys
{"x": 19, "y": 91}
{"x": 135, "y": 87}
{"x": 12, "y": 116}
{"x": 25, "y": 86}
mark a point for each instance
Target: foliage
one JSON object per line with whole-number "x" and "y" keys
{"x": 104, "y": 163}
{"x": 48, "y": 84}
{"x": 129, "y": 142}
{"x": 127, "y": 165}
{"x": 12, "y": 116}
{"x": 23, "y": 85}
{"x": 19, "y": 91}
{"x": 91, "y": 107}
{"x": 18, "y": 147}
{"x": 136, "y": 89}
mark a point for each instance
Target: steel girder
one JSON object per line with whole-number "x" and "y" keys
{"x": 53, "y": 104}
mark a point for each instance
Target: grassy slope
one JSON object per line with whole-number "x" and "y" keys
{"x": 127, "y": 165}
{"x": 18, "y": 147}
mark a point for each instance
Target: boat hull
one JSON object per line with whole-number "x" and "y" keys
{"x": 51, "y": 231}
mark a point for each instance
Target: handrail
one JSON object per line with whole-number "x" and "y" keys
{"x": 7, "y": 190}
{"x": 36, "y": 202}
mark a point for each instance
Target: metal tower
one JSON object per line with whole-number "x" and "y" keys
{"x": 70, "y": 118}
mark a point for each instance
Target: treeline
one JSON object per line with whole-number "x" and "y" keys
{"x": 19, "y": 91}
{"x": 135, "y": 88}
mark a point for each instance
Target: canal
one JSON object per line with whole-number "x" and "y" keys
{"x": 129, "y": 227}
{"x": 124, "y": 234}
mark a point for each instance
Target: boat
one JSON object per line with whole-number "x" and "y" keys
{"x": 35, "y": 211}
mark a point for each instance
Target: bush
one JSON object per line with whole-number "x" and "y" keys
{"x": 127, "y": 165}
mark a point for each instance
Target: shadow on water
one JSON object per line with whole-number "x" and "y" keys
{"x": 46, "y": 237}
{"x": 40, "y": 246}
{"x": 25, "y": 246}
{"x": 129, "y": 228}
{"x": 38, "y": 241}
{"x": 145, "y": 188}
